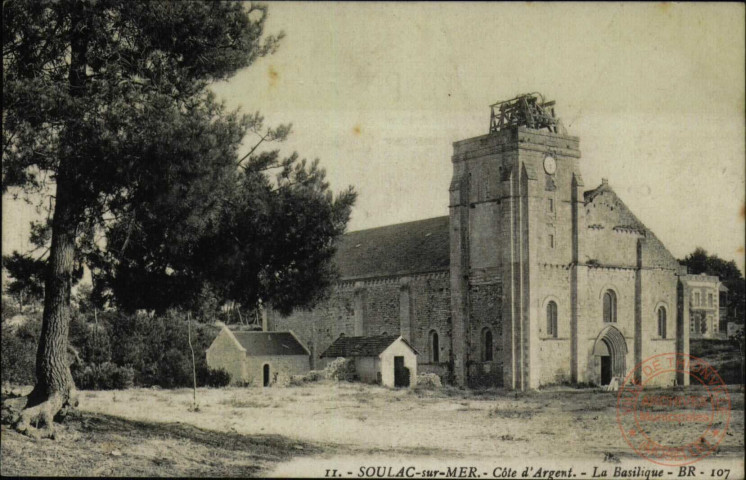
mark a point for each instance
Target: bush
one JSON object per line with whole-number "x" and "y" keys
{"x": 158, "y": 348}
{"x": 312, "y": 376}
{"x": 18, "y": 352}
{"x": 175, "y": 370}
{"x": 428, "y": 381}
{"x": 341, "y": 369}
{"x": 215, "y": 378}
{"x": 154, "y": 350}
{"x": 103, "y": 376}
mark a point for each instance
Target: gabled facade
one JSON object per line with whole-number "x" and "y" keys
{"x": 387, "y": 360}
{"x": 531, "y": 280}
{"x": 257, "y": 358}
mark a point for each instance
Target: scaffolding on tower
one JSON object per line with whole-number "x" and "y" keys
{"x": 527, "y": 110}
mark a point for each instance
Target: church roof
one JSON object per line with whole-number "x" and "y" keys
{"x": 269, "y": 343}
{"x": 361, "y": 346}
{"x": 404, "y": 248}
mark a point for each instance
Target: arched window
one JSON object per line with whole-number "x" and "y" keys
{"x": 487, "y": 345}
{"x": 662, "y": 322}
{"x": 610, "y": 306}
{"x": 434, "y": 347}
{"x": 552, "y": 319}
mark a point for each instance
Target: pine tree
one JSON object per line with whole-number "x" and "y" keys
{"x": 90, "y": 91}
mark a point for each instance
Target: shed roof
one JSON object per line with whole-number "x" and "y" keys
{"x": 270, "y": 343}
{"x": 412, "y": 247}
{"x": 361, "y": 346}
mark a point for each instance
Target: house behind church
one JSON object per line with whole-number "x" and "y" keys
{"x": 530, "y": 280}
{"x": 257, "y": 358}
{"x": 386, "y": 360}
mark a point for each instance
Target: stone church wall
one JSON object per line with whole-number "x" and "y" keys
{"x": 591, "y": 318}
{"x": 485, "y": 313}
{"x": 319, "y": 327}
{"x": 550, "y": 360}
{"x": 658, "y": 290}
{"x": 431, "y": 310}
{"x": 380, "y": 300}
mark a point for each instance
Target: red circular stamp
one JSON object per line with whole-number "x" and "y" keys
{"x": 673, "y": 427}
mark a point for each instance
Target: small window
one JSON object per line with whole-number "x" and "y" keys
{"x": 551, "y": 241}
{"x": 610, "y": 306}
{"x": 550, "y": 205}
{"x": 434, "y": 347}
{"x": 552, "y": 319}
{"x": 662, "y": 322}
{"x": 487, "y": 345}
{"x": 709, "y": 299}
{"x": 696, "y": 299}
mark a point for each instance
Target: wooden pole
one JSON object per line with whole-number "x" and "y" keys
{"x": 95, "y": 326}
{"x": 194, "y": 368}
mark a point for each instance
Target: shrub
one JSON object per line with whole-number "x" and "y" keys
{"x": 103, "y": 376}
{"x": 312, "y": 376}
{"x": 340, "y": 369}
{"x": 215, "y": 378}
{"x": 428, "y": 381}
{"x": 175, "y": 370}
{"x": 282, "y": 380}
{"x": 18, "y": 352}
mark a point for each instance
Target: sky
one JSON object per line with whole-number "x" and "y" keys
{"x": 380, "y": 91}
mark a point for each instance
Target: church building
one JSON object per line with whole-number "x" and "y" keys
{"x": 531, "y": 280}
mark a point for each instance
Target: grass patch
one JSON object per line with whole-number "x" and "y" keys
{"x": 236, "y": 402}
{"x": 497, "y": 412}
{"x": 102, "y": 445}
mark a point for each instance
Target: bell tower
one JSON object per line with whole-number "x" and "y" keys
{"x": 515, "y": 205}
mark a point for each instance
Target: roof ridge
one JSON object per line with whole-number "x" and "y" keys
{"x": 397, "y": 224}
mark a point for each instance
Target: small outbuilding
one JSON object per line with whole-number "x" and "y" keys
{"x": 258, "y": 358}
{"x": 386, "y": 360}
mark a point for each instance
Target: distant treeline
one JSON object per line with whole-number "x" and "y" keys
{"x": 111, "y": 350}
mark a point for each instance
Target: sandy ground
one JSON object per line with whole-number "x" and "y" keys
{"x": 364, "y": 417}
{"x": 349, "y": 421}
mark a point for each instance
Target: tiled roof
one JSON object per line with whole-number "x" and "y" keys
{"x": 412, "y": 247}
{"x": 270, "y": 343}
{"x": 361, "y": 346}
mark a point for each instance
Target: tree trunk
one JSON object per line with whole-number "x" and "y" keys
{"x": 54, "y": 391}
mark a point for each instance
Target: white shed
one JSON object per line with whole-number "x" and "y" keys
{"x": 258, "y": 358}
{"x": 387, "y": 360}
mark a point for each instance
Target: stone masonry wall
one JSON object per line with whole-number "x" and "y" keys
{"x": 485, "y": 313}
{"x": 280, "y": 367}
{"x": 551, "y": 361}
{"x": 430, "y": 310}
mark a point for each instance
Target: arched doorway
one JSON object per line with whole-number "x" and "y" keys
{"x": 611, "y": 348}
{"x": 266, "y": 375}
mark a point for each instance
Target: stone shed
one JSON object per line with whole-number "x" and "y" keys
{"x": 387, "y": 360}
{"x": 258, "y": 358}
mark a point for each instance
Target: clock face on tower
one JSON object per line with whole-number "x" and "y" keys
{"x": 550, "y": 166}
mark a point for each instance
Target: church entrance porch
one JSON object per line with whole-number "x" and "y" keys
{"x": 610, "y": 352}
